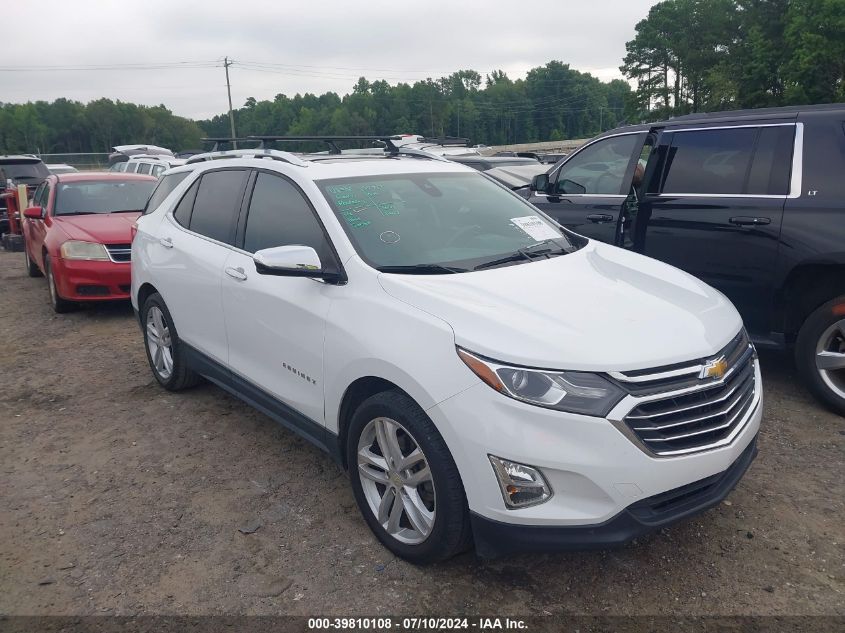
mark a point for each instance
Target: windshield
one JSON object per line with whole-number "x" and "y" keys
{"x": 102, "y": 196}
{"x": 27, "y": 172}
{"x": 457, "y": 221}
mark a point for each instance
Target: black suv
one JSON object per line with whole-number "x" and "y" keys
{"x": 750, "y": 201}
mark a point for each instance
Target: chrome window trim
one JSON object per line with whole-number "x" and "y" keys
{"x": 795, "y": 178}
{"x": 555, "y": 172}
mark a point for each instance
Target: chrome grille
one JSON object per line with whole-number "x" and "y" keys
{"x": 119, "y": 252}
{"x": 696, "y": 413}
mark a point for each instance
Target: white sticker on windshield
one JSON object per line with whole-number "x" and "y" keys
{"x": 536, "y": 228}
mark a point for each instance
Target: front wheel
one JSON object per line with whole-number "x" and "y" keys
{"x": 405, "y": 481}
{"x": 820, "y": 353}
{"x": 60, "y": 306}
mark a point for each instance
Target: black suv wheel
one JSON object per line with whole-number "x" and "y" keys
{"x": 820, "y": 353}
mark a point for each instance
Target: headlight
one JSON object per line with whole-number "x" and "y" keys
{"x": 83, "y": 250}
{"x": 572, "y": 391}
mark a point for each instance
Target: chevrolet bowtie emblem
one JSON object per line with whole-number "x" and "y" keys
{"x": 715, "y": 369}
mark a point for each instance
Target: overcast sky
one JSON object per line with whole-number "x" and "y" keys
{"x": 289, "y": 47}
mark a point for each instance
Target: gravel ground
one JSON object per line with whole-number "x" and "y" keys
{"x": 117, "y": 497}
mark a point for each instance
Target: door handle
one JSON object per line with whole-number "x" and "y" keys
{"x": 745, "y": 220}
{"x": 166, "y": 242}
{"x": 600, "y": 217}
{"x": 236, "y": 273}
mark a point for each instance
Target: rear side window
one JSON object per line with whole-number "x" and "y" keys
{"x": 751, "y": 161}
{"x": 144, "y": 168}
{"x": 157, "y": 170}
{"x": 182, "y": 212}
{"x": 216, "y": 205}
{"x": 772, "y": 162}
{"x": 279, "y": 215}
{"x": 165, "y": 186}
{"x": 709, "y": 161}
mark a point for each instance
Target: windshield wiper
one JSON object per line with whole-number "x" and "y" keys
{"x": 527, "y": 253}
{"x": 127, "y": 211}
{"x": 421, "y": 269}
{"x": 78, "y": 213}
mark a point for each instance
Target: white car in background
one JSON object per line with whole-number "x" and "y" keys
{"x": 483, "y": 374}
{"x": 150, "y": 164}
{"x": 61, "y": 168}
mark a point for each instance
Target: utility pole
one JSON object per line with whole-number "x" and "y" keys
{"x": 226, "y": 64}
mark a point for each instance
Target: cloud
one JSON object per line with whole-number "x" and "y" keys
{"x": 301, "y": 47}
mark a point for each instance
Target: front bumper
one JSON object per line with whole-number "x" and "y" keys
{"x": 493, "y": 538}
{"x": 595, "y": 471}
{"x": 83, "y": 280}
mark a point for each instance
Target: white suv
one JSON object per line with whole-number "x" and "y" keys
{"x": 480, "y": 372}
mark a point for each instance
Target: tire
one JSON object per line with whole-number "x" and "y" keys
{"x": 167, "y": 358}
{"x": 60, "y": 306}
{"x": 31, "y": 267}
{"x": 820, "y": 354}
{"x": 436, "y": 501}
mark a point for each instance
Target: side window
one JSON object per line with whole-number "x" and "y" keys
{"x": 599, "y": 168}
{"x": 163, "y": 189}
{"x": 772, "y": 164}
{"x": 216, "y": 206}
{"x": 279, "y": 215}
{"x": 144, "y": 168}
{"x": 182, "y": 212}
{"x": 157, "y": 170}
{"x": 709, "y": 161}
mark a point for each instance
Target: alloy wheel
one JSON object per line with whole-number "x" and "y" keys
{"x": 830, "y": 357}
{"x": 396, "y": 480}
{"x": 159, "y": 343}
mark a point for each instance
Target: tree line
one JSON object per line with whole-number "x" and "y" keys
{"x": 64, "y": 126}
{"x": 552, "y": 102}
{"x": 706, "y": 55}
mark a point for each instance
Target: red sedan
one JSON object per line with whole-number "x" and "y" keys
{"x": 78, "y": 233}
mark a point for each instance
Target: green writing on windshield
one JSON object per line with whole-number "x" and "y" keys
{"x": 353, "y": 202}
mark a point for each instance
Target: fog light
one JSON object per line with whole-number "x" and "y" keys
{"x": 521, "y": 485}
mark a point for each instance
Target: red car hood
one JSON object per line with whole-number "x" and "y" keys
{"x": 105, "y": 228}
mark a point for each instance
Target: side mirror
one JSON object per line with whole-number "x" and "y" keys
{"x": 540, "y": 182}
{"x": 34, "y": 213}
{"x": 292, "y": 261}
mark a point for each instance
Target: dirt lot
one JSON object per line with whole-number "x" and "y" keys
{"x": 117, "y": 497}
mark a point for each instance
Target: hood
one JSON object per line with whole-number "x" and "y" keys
{"x": 598, "y": 309}
{"x": 105, "y": 228}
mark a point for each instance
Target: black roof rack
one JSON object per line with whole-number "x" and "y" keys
{"x": 445, "y": 140}
{"x": 224, "y": 140}
{"x": 330, "y": 141}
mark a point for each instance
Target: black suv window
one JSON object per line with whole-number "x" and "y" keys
{"x": 599, "y": 168}
{"x": 750, "y": 160}
{"x": 279, "y": 215}
{"x": 217, "y": 203}
{"x": 165, "y": 186}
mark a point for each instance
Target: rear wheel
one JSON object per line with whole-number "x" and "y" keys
{"x": 405, "y": 480}
{"x": 31, "y": 267}
{"x": 820, "y": 353}
{"x": 165, "y": 351}
{"x": 59, "y": 305}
